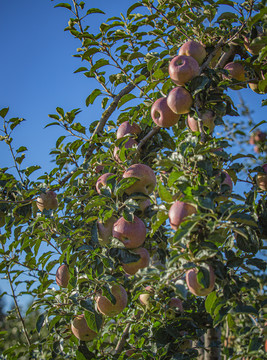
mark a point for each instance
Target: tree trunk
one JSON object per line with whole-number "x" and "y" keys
{"x": 213, "y": 344}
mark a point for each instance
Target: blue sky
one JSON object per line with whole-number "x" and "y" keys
{"x": 37, "y": 73}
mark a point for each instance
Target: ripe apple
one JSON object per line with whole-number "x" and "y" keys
{"x": 146, "y": 179}
{"x": 105, "y": 230}
{"x": 81, "y": 330}
{"x": 143, "y": 262}
{"x": 257, "y": 137}
{"x": 179, "y": 100}
{"x": 162, "y": 115}
{"x": 128, "y": 145}
{"x": 145, "y": 297}
{"x": 262, "y": 178}
{"x": 105, "y": 306}
{"x": 99, "y": 168}
{"x": 102, "y": 181}
{"x": 183, "y": 68}
{"x": 127, "y": 128}
{"x": 131, "y": 234}
{"x": 237, "y": 72}
{"x": 176, "y": 303}
{"x": 178, "y": 213}
{"x": 195, "y": 287}
{"x": 208, "y": 118}
{"x": 63, "y": 276}
{"x": 194, "y": 49}
{"x": 47, "y": 201}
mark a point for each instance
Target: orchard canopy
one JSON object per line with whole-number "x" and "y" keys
{"x": 147, "y": 238}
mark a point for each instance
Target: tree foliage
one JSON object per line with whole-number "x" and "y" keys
{"x": 128, "y": 59}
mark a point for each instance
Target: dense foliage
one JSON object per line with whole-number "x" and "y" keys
{"x": 128, "y": 59}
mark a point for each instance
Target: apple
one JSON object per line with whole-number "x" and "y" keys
{"x": 99, "y": 168}
{"x": 237, "y": 72}
{"x": 183, "y": 68}
{"x": 162, "y": 115}
{"x": 145, "y": 297}
{"x": 63, "y": 276}
{"x": 178, "y": 213}
{"x": 131, "y": 234}
{"x": 257, "y": 137}
{"x": 128, "y": 144}
{"x": 105, "y": 306}
{"x": 127, "y": 128}
{"x": 194, "y": 49}
{"x": 262, "y": 178}
{"x": 179, "y": 100}
{"x": 146, "y": 179}
{"x": 176, "y": 303}
{"x": 143, "y": 262}
{"x": 195, "y": 287}
{"x": 105, "y": 230}
{"x": 102, "y": 181}
{"x": 81, "y": 330}
{"x": 208, "y": 118}
{"x": 47, "y": 201}
{"x": 143, "y": 205}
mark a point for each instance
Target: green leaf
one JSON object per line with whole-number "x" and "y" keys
{"x": 80, "y": 69}
{"x": 95, "y": 11}
{"x": 259, "y": 263}
{"x": 91, "y": 98}
{"x": 79, "y": 128}
{"x": 40, "y": 322}
{"x": 125, "y": 99}
{"x": 132, "y": 7}
{"x": 210, "y": 300}
{"x": 64, "y": 5}
{"x": 164, "y": 194}
{"x": 3, "y": 112}
{"x": 227, "y": 16}
{"x": 243, "y": 219}
{"x": 184, "y": 229}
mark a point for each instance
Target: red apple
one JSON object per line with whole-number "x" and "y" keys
{"x": 102, "y": 181}
{"x": 143, "y": 262}
{"x": 106, "y": 307}
{"x": 237, "y": 72}
{"x": 262, "y": 178}
{"x": 195, "y": 287}
{"x": 178, "y": 213}
{"x": 179, "y": 100}
{"x": 162, "y": 115}
{"x": 131, "y": 234}
{"x": 127, "y": 128}
{"x": 145, "y": 297}
{"x": 194, "y": 49}
{"x": 257, "y": 137}
{"x": 81, "y": 330}
{"x": 146, "y": 179}
{"x": 47, "y": 201}
{"x": 208, "y": 118}
{"x": 183, "y": 68}
{"x": 176, "y": 303}
{"x": 63, "y": 276}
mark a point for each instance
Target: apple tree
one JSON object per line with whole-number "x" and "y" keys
{"x": 140, "y": 242}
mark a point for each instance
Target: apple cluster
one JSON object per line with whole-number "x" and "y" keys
{"x": 165, "y": 112}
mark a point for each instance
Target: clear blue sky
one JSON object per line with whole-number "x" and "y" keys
{"x": 37, "y": 72}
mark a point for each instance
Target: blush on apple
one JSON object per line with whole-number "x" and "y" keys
{"x": 179, "y": 100}
{"x": 195, "y": 287}
{"x": 102, "y": 181}
{"x": 127, "y": 128}
{"x": 261, "y": 178}
{"x": 131, "y": 234}
{"x": 194, "y": 49}
{"x": 183, "y": 68}
{"x": 146, "y": 179}
{"x": 132, "y": 267}
{"x": 178, "y": 213}
{"x": 162, "y": 115}
{"x": 207, "y": 117}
